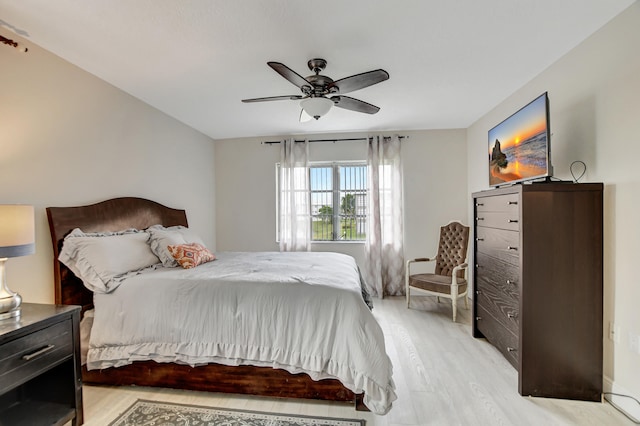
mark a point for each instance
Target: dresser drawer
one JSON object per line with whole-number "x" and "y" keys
{"x": 500, "y": 337}
{"x": 499, "y": 203}
{"x": 503, "y": 276}
{"x": 500, "y": 244}
{"x": 503, "y": 308}
{"x": 28, "y": 356}
{"x": 498, "y": 220}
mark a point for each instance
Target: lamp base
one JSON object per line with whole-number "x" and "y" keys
{"x": 9, "y": 301}
{"x": 15, "y": 313}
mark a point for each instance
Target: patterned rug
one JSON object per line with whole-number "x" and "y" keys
{"x": 157, "y": 413}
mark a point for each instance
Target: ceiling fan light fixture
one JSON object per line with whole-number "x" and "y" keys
{"x": 316, "y": 107}
{"x": 316, "y": 99}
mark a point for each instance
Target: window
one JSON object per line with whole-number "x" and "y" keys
{"x": 338, "y": 197}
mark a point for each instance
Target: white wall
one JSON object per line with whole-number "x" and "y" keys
{"x": 68, "y": 138}
{"x": 594, "y": 94}
{"x": 435, "y": 191}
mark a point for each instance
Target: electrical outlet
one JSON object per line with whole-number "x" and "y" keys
{"x": 614, "y": 332}
{"x": 611, "y": 332}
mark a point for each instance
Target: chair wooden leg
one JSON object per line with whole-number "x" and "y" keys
{"x": 438, "y": 299}
{"x": 454, "y": 306}
{"x": 466, "y": 302}
{"x": 407, "y": 287}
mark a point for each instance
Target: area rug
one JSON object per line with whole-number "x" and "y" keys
{"x": 157, "y": 413}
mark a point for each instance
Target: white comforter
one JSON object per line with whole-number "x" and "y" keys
{"x": 296, "y": 311}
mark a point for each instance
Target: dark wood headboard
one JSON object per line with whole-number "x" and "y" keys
{"x": 112, "y": 215}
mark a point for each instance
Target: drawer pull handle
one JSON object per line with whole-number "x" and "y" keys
{"x": 479, "y": 218}
{"x": 32, "y": 355}
{"x": 478, "y": 292}
{"x": 478, "y": 266}
{"x": 511, "y": 282}
{"x": 511, "y": 203}
{"x": 479, "y": 204}
{"x": 512, "y": 221}
{"x": 510, "y": 349}
{"x": 479, "y": 239}
{"x": 512, "y": 315}
{"x": 478, "y": 318}
{"x": 512, "y": 248}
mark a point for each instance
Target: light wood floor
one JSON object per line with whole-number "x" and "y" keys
{"x": 442, "y": 374}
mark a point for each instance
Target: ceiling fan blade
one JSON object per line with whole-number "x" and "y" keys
{"x": 359, "y": 81}
{"x": 304, "y": 117}
{"x": 274, "y": 98}
{"x": 353, "y": 104}
{"x": 290, "y": 75}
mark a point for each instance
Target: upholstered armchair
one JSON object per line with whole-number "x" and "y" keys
{"x": 448, "y": 279}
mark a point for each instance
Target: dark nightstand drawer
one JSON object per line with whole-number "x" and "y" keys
{"x": 28, "y": 356}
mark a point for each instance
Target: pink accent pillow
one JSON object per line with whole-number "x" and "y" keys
{"x": 191, "y": 255}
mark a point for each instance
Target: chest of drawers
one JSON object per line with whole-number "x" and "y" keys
{"x": 538, "y": 284}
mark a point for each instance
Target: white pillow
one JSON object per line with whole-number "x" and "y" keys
{"x": 161, "y": 238}
{"x": 103, "y": 260}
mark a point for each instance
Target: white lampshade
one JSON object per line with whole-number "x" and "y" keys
{"x": 316, "y": 107}
{"x": 17, "y": 230}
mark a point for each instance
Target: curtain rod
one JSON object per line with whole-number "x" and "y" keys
{"x": 333, "y": 140}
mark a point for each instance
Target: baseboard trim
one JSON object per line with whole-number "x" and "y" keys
{"x": 630, "y": 407}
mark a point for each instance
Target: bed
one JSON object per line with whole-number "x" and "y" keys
{"x": 221, "y": 373}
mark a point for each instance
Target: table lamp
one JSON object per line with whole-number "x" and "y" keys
{"x": 17, "y": 238}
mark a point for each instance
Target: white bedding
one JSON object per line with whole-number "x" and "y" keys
{"x": 302, "y": 312}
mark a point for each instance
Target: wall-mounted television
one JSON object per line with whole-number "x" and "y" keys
{"x": 519, "y": 147}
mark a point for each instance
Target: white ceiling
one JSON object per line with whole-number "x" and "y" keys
{"x": 449, "y": 61}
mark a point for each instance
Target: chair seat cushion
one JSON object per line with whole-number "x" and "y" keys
{"x": 437, "y": 283}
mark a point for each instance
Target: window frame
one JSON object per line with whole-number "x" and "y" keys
{"x": 335, "y": 175}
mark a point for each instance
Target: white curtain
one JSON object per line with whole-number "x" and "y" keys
{"x": 295, "y": 208}
{"x": 384, "y": 248}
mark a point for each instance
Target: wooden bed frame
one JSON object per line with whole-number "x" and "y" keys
{"x": 124, "y": 213}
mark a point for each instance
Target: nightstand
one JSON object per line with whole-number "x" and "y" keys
{"x": 40, "y": 379}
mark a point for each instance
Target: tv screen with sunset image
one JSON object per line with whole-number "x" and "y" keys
{"x": 519, "y": 146}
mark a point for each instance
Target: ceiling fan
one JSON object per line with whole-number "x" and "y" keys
{"x": 315, "y": 89}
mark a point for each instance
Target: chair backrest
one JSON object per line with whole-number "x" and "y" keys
{"x": 452, "y": 248}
